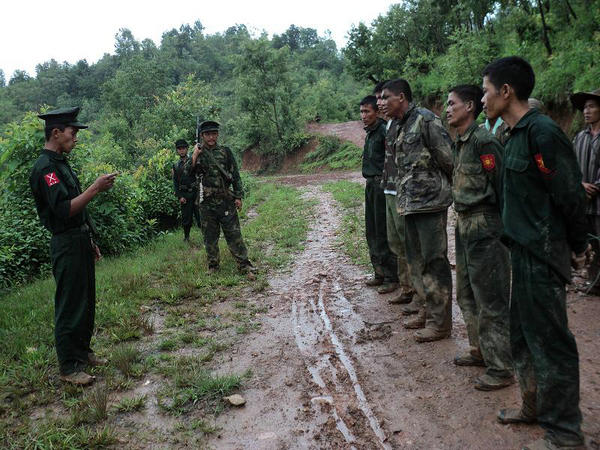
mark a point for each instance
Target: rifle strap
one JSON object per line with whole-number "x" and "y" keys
{"x": 214, "y": 161}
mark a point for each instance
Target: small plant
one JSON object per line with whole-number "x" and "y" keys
{"x": 126, "y": 358}
{"x": 127, "y": 405}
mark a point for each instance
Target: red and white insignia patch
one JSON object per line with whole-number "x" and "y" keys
{"x": 51, "y": 179}
{"x": 540, "y": 163}
{"x": 488, "y": 162}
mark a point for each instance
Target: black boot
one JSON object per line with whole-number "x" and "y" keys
{"x": 186, "y": 233}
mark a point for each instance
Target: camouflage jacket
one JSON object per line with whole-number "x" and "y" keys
{"x": 424, "y": 160}
{"x": 213, "y": 180}
{"x": 184, "y": 183}
{"x": 390, "y": 170}
{"x": 499, "y": 131}
{"x": 374, "y": 150}
{"x": 477, "y": 179}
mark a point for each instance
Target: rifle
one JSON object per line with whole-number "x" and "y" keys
{"x": 200, "y": 196}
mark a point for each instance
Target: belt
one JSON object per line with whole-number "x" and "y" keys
{"x": 79, "y": 229}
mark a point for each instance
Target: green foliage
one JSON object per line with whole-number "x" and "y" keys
{"x": 332, "y": 154}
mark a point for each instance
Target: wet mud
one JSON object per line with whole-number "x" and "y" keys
{"x": 332, "y": 366}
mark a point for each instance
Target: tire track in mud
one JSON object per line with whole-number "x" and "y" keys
{"x": 315, "y": 295}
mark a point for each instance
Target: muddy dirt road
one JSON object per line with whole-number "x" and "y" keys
{"x": 333, "y": 367}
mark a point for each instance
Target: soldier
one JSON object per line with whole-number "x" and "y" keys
{"x": 543, "y": 215}
{"x": 482, "y": 261}
{"x": 186, "y": 190}
{"x": 424, "y": 161}
{"x": 495, "y": 126}
{"x": 60, "y": 205}
{"x": 587, "y": 150}
{"x": 218, "y": 169}
{"x": 382, "y": 259}
{"x": 394, "y": 222}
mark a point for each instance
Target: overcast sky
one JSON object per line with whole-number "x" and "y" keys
{"x": 34, "y": 31}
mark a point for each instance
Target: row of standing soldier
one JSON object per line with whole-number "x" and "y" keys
{"x": 520, "y": 205}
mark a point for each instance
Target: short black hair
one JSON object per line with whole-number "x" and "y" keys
{"x": 470, "y": 93}
{"x": 514, "y": 71}
{"x": 370, "y": 100}
{"x": 379, "y": 86}
{"x": 48, "y": 129}
{"x": 399, "y": 86}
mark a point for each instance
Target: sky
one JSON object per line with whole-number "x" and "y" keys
{"x": 34, "y": 31}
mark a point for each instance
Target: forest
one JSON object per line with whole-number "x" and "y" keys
{"x": 264, "y": 89}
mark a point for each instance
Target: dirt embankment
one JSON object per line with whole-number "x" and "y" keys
{"x": 349, "y": 131}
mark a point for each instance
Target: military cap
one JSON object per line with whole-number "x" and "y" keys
{"x": 62, "y": 116}
{"x": 579, "y": 98}
{"x": 209, "y": 125}
{"x": 181, "y": 143}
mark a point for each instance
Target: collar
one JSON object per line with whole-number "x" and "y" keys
{"x": 528, "y": 117}
{"x": 54, "y": 155}
{"x": 375, "y": 125}
{"x": 469, "y": 131}
{"x": 411, "y": 107}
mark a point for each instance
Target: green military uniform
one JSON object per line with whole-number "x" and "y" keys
{"x": 221, "y": 185}
{"x": 544, "y": 219}
{"x": 424, "y": 161}
{"x": 185, "y": 186}
{"x": 54, "y": 184}
{"x": 394, "y": 221}
{"x": 382, "y": 259}
{"x": 482, "y": 261}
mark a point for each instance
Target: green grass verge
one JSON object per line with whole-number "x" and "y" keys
{"x": 350, "y": 196}
{"x": 332, "y": 153}
{"x": 167, "y": 278}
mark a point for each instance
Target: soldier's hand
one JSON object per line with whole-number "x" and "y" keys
{"x": 238, "y": 204}
{"x": 197, "y": 151}
{"x": 578, "y": 261}
{"x": 591, "y": 189}
{"x": 182, "y": 200}
{"x": 105, "y": 182}
{"x": 97, "y": 254}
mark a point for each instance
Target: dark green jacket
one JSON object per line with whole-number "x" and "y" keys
{"x": 544, "y": 201}
{"x": 184, "y": 182}
{"x": 477, "y": 179}
{"x": 424, "y": 160}
{"x": 54, "y": 185}
{"x": 374, "y": 150}
{"x": 212, "y": 177}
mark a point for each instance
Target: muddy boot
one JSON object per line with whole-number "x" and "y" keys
{"x": 94, "y": 360}
{"x": 471, "y": 357}
{"x": 547, "y": 444}
{"x": 78, "y": 378}
{"x": 213, "y": 269}
{"x": 387, "y": 287}
{"x": 375, "y": 281}
{"x": 404, "y": 298}
{"x": 248, "y": 270}
{"x": 488, "y": 382}
{"x": 516, "y": 415}
{"x": 430, "y": 335}
{"x": 411, "y": 308}
{"x": 416, "y": 322}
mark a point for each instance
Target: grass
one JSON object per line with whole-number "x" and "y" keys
{"x": 131, "y": 404}
{"x": 351, "y": 234}
{"x": 149, "y": 303}
{"x": 332, "y": 153}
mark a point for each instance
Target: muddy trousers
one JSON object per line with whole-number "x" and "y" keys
{"x": 189, "y": 213}
{"x": 543, "y": 349}
{"x": 75, "y": 299}
{"x": 383, "y": 260}
{"x": 427, "y": 257}
{"x": 217, "y": 214}
{"x": 395, "y": 235}
{"x": 594, "y": 268}
{"x": 483, "y": 287}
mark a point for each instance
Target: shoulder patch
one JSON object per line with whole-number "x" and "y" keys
{"x": 539, "y": 160}
{"x": 51, "y": 179}
{"x": 488, "y": 161}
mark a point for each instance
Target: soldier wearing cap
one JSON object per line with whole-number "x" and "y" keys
{"x": 61, "y": 207}
{"x": 222, "y": 197}
{"x": 186, "y": 190}
{"x": 587, "y": 149}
